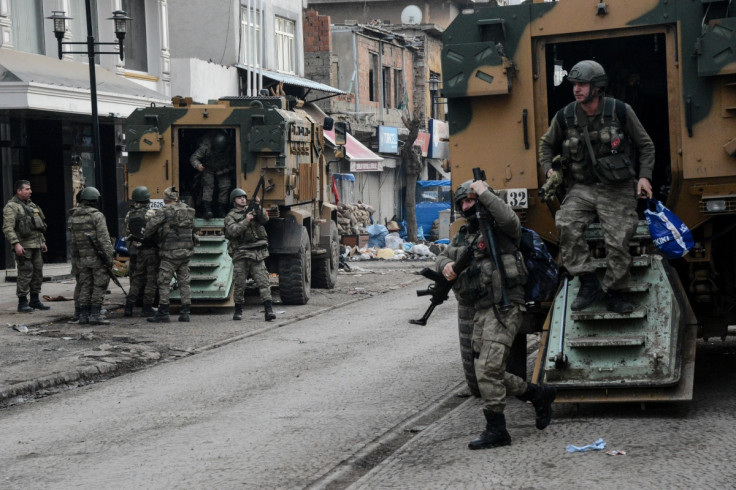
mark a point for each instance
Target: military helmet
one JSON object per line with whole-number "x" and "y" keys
{"x": 588, "y": 71}
{"x": 220, "y": 142}
{"x": 237, "y": 192}
{"x": 89, "y": 194}
{"x": 171, "y": 194}
{"x": 141, "y": 194}
{"x": 461, "y": 193}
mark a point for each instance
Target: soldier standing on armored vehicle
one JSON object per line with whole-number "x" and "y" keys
{"x": 24, "y": 225}
{"x": 172, "y": 228}
{"x": 494, "y": 327}
{"x": 599, "y": 137}
{"x": 144, "y": 260}
{"x": 93, "y": 252}
{"x": 248, "y": 246}
{"x": 213, "y": 158}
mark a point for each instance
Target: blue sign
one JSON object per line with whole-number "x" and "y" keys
{"x": 388, "y": 139}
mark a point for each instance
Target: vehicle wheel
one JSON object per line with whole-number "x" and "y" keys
{"x": 324, "y": 269}
{"x": 295, "y": 273}
{"x": 465, "y": 314}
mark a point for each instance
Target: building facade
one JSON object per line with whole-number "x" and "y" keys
{"x": 45, "y": 102}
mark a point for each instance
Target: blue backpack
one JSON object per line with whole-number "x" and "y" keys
{"x": 541, "y": 283}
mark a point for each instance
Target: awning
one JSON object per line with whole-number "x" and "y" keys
{"x": 294, "y": 80}
{"x": 362, "y": 159}
{"x": 32, "y": 81}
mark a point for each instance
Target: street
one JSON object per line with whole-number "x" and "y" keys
{"x": 357, "y": 397}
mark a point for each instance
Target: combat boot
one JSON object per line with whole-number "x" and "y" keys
{"x": 75, "y": 318}
{"x": 238, "y": 313}
{"x": 162, "y": 315}
{"x": 541, "y": 397}
{"x": 95, "y": 317}
{"x": 84, "y": 315}
{"x": 36, "y": 303}
{"x": 23, "y": 306}
{"x": 614, "y": 303}
{"x": 148, "y": 311}
{"x": 184, "y": 313}
{"x": 267, "y": 307}
{"x": 208, "y": 214}
{"x": 495, "y": 434}
{"x": 590, "y": 291}
{"x": 128, "y": 312}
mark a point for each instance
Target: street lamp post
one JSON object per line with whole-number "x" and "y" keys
{"x": 434, "y": 87}
{"x": 120, "y": 19}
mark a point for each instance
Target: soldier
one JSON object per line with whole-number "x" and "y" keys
{"x": 24, "y": 225}
{"x": 494, "y": 328}
{"x": 93, "y": 251}
{"x": 172, "y": 227}
{"x": 599, "y": 136}
{"x": 214, "y": 159}
{"x": 248, "y": 246}
{"x": 144, "y": 260}
{"x": 75, "y": 262}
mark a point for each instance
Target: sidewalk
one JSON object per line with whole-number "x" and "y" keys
{"x": 41, "y": 354}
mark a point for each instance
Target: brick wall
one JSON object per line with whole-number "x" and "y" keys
{"x": 316, "y": 32}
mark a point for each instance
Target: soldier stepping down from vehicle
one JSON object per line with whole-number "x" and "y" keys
{"x": 214, "y": 159}
{"x": 493, "y": 284}
{"x": 144, "y": 263}
{"x": 24, "y": 225}
{"x": 93, "y": 251}
{"x": 172, "y": 229}
{"x": 598, "y": 137}
{"x": 248, "y": 246}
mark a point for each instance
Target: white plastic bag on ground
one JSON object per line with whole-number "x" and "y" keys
{"x": 420, "y": 249}
{"x": 394, "y": 241}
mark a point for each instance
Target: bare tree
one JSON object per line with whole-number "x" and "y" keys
{"x": 411, "y": 156}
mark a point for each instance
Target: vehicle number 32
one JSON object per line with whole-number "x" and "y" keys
{"x": 517, "y": 198}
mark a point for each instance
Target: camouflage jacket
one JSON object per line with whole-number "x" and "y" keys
{"x": 172, "y": 228}
{"x": 88, "y": 232}
{"x": 135, "y": 222}
{"x": 247, "y": 239}
{"x": 24, "y": 223}
{"x": 213, "y": 161}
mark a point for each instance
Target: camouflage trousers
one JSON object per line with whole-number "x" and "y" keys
{"x": 92, "y": 282}
{"x": 223, "y": 187}
{"x": 257, "y": 270}
{"x": 30, "y": 272}
{"x": 491, "y": 344}
{"x": 144, "y": 276}
{"x": 615, "y": 207}
{"x": 168, "y": 268}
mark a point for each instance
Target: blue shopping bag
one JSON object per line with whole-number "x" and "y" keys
{"x": 670, "y": 235}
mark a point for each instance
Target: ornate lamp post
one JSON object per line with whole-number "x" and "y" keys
{"x": 120, "y": 19}
{"x": 434, "y": 87}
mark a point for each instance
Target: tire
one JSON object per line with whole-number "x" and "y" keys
{"x": 324, "y": 269}
{"x": 465, "y": 314}
{"x": 295, "y": 273}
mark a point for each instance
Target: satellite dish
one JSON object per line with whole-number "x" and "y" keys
{"x": 411, "y": 15}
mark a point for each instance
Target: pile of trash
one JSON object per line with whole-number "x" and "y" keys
{"x": 353, "y": 219}
{"x": 385, "y": 244}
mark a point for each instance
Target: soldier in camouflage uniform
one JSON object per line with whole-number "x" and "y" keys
{"x": 215, "y": 160}
{"x": 144, "y": 262}
{"x": 172, "y": 228}
{"x": 91, "y": 247}
{"x": 606, "y": 187}
{"x": 494, "y": 328}
{"x": 24, "y": 225}
{"x": 248, "y": 246}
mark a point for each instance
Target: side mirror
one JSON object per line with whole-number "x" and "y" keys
{"x": 341, "y": 131}
{"x": 328, "y": 124}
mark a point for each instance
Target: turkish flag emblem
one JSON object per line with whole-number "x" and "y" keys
{"x": 481, "y": 245}
{"x": 615, "y": 143}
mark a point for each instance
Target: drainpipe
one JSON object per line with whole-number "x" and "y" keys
{"x": 355, "y": 69}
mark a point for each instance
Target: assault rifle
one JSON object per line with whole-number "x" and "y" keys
{"x": 107, "y": 263}
{"x": 259, "y": 186}
{"x": 487, "y": 223}
{"x": 440, "y": 290}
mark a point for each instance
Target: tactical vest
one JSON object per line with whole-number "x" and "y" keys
{"x": 253, "y": 234}
{"x": 611, "y": 146}
{"x": 82, "y": 227}
{"x": 29, "y": 219}
{"x": 178, "y": 227}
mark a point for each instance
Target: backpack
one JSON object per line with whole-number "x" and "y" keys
{"x": 542, "y": 268}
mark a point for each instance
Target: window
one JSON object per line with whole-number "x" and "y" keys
{"x": 373, "y": 78}
{"x": 136, "y": 43}
{"x": 386, "y": 78}
{"x": 250, "y": 37}
{"x": 285, "y": 51}
{"x": 27, "y": 18}
{"x": 400, "y": 103}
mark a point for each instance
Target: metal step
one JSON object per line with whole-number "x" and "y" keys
{"x": 577, "y": 316}
{"x": 617, "y": 341}
{"x": 638, "y": 261}
{"x": 212, "y": 238}
{"x": 594, "y": 232}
